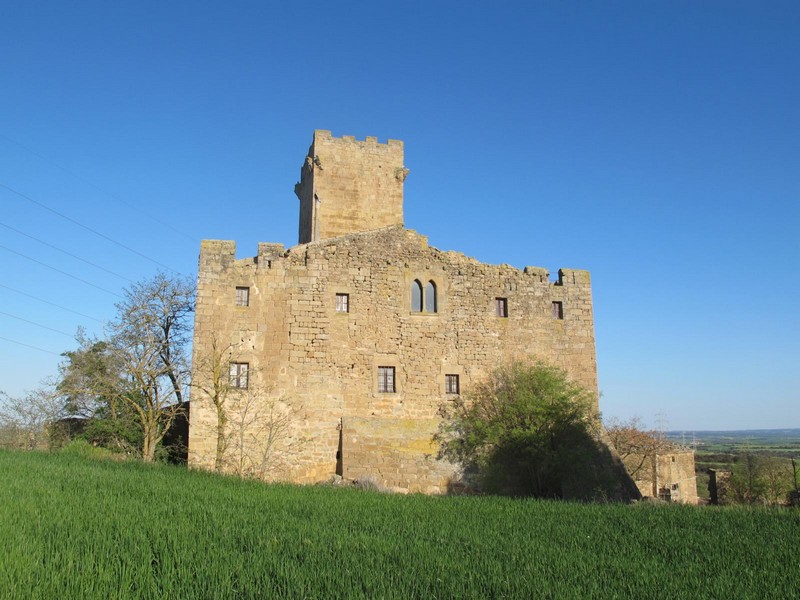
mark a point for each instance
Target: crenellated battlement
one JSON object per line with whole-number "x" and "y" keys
{"x": 347, "y": 186}
{"x": 324, "y": 134}
{"x": 267, "y": 252}
{"x": 573, "y": 277}
{"x": 216, "y": 254}
{"x": 219, "y": 255}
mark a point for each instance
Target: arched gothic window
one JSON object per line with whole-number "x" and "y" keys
{"x": 416, "y": 296}
{"x": 430, "y": 297}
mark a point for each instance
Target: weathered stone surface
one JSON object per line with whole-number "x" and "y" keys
{"x": 347, "y": 186}
{"x": 324, "y": 363}
{"x": 669, "y": 476}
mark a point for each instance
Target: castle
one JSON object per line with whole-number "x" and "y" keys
{"x": 334, "y": 356}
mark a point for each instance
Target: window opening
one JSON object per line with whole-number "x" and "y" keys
{"x": 430, "y": 297}
{"x": 451, "y": 384}
{"x": 238, "y": 374}
{"x": 558, "y": 310}
{"x": 501, "y": 307}
{"x": 242, "y": 296}
{"x": 386, "y": 379}
{"x": 342, "y": 303}
{"x": 416, "y": 296}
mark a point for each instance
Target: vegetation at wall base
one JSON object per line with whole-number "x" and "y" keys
{"x": 529, "y": 430}
{"x": 72, "y": 527}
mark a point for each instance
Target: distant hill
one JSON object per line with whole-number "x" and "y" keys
{"x": 736, "y": 433}
{"x": 782, "y": 440}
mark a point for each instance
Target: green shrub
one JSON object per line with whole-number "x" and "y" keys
{"x": 527, "y": 430}
{"x": 83, "y": 449}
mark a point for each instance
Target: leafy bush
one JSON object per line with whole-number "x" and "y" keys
{"x": 760, "y": 479}
{"x": 83, "y": 449}
{"x": 525, "y": 431}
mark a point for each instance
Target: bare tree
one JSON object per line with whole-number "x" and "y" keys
{"x": 149, "y": 338}
{"x": 259, "y": 433}
{"x": 211, "y": 378}
{"x": 637, "y": 446}
{"x": 252, "y": 427}
{"x": 138, "y": 373}
{"x": 27, "y": 422}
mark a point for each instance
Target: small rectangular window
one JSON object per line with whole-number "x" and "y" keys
{"x": 386, "y": 380}
{"x": 238, "y": 374}
{"x": 342, "y": 303}
{"x": 558, "y": 310}
{"x": 451, "y": 384}
{"x": 501, "y": 306}
{"x": 242, "y": 296}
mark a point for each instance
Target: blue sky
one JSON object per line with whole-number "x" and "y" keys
{"x": 655, "y": 144}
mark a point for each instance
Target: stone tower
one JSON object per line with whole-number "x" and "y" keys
{"x": 348, "y": 186}
{"x": 356, "y": 341}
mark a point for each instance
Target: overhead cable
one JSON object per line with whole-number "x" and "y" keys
{"x": 60, "y": 271}
{"x": 37, "y": 324}
{"x": 75, "y": 256}
{"x": 98, "y": 188}
{"x": 50, "y": 303}
{"x": 29, "y": 346}
{"x": 87, "y": 228}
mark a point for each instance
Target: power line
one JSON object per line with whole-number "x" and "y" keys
{"x": 98, "y": 188}
{"x": 29, "y": 346}
{"x": 50, "y": 303}
{"x": 87, "y": 228}
{"x": 60, "y": 271}
{"x": 35, "y": 323}
{"x": 75, "y": 256}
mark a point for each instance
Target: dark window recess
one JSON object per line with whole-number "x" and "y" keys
{"x": 386, "y": 379}
{"x": 501, "y": 307}
{"x": 451, "y": 384}
{"x": 430, "y": 297}
{"x": 558, "y": 310}
{"x": 242, "y": 296}
{"x": 238, "y": 374}
{"x": 342, "y": 303}
{"x": 416, "y": 296}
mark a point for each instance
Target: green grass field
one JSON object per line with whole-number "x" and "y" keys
{"x": 77, "y": 528}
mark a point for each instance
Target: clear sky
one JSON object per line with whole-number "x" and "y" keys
{"x": 656, "y": 144}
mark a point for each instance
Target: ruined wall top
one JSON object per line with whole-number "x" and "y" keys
{"x": 347, "y": 186}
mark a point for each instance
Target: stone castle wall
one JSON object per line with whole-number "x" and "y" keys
{"x": 325, "y": 364}
{"x": 313, "y": 405}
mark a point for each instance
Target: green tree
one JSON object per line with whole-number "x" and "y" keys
{"x": 91, "y": 386}
{"x": 760, "y": 479}
{"x": 527, "y": 430}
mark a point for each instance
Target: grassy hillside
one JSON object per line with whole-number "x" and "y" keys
{"x": 74, "y": 528}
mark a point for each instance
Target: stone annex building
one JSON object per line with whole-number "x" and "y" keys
{"x": 335, "y": 355}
